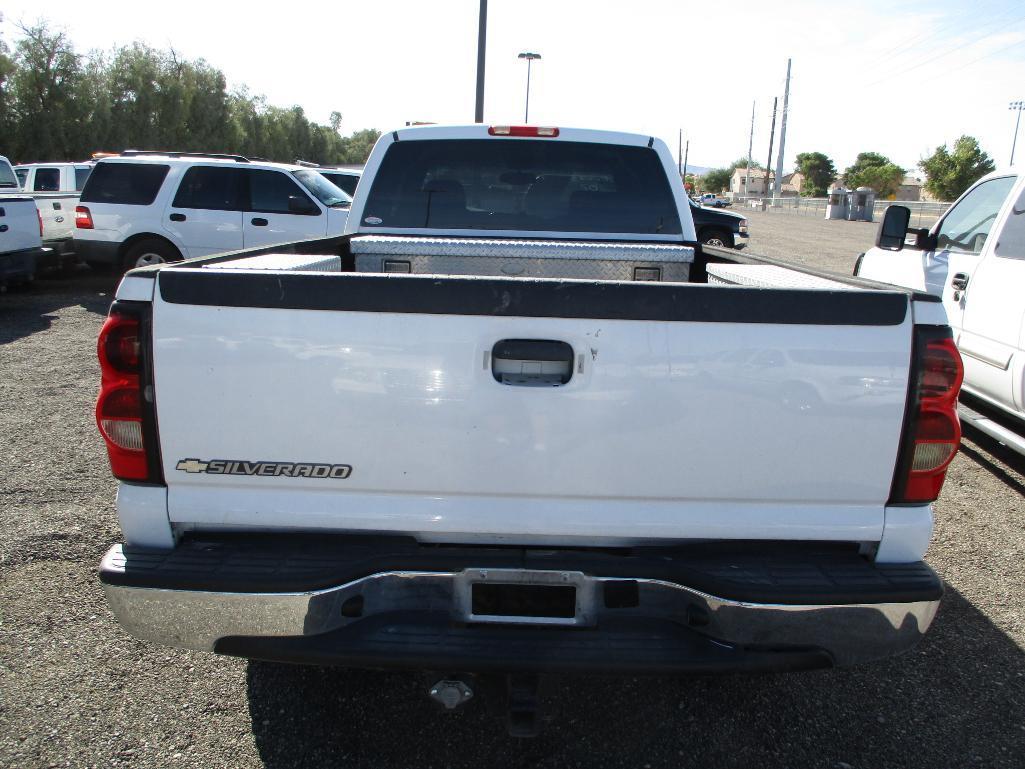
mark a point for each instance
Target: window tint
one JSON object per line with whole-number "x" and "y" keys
{"x": 269, "y": 192}
{"x": 6, "y": 180}
{"x": 500, "y": 184}
{"x": 81, "y": 177}
{"x": 47, "y": 180}
{"x": 966, "y": 226}
{"x": 346, "y": 182}
{"x": 135, "y": 184}
{"x": 212, "y": 188}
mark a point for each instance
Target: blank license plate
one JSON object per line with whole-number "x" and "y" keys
{"x": 518, "y": 600}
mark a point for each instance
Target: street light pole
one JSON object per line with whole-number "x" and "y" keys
{"x": 1019, "y": 106}
{"x": 482, "y": 38}
{"x": 530, "y": 57}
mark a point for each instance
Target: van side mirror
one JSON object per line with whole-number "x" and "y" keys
{"x": 894, "y": 228}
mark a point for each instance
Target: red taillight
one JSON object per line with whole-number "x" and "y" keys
{"x": 119, "y": 406}
{"x": 934, "y": 431}
{"x": 523, "y": 130}
{"x": 83, "y": 218}
{"x": 39, "y": 216}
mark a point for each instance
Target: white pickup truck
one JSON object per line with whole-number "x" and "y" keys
{"x": 974, "y": 260}
{"x": 55, "y": 187}
{"x": 20, "y": 231}
{"x": 327, "y": 458}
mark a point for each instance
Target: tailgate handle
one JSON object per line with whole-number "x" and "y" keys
{"x": 532, "y": 362}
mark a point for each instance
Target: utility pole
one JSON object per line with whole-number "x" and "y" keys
{"x": 778, "y": 184}
{"x": 482, "y": 34}
{"x": 1016, "y": 105}
{"x": 772, "y": 135}
{"x": 750, "y": 147}
{"x": 686, "y": 152}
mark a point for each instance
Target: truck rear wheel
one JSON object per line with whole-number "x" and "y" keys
{"x": 149, "y": 252}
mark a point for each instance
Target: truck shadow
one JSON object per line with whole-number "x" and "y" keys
{"x": 989, "y": 453}
{"x": 956, "y": 699}
{"x": 28, "y": 310}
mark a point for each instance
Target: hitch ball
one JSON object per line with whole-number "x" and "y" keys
{"x": 451, "y": 694}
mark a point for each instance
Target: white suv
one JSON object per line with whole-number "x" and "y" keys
{"x": 142, "y": 208}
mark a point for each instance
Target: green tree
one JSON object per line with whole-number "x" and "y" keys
{"x": 6, "y": 69}
{"x": 948, "y": 174}
{"x": 56, "y": 104}
{"x": 43, "y": 91}
{"x": 818, "y": 171}
{"x": 873, "y": 170}
{"x": 357, "y": 147}
{"x": 742, "y": 163}
{"x": 717, "y": 180}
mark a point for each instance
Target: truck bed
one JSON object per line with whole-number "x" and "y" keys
{"x": 694, "y": 410}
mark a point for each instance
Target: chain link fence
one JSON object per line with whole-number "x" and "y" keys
{"x": 923, "y": 213}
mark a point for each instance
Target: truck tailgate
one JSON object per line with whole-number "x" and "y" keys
{"x": 363, "y": 402}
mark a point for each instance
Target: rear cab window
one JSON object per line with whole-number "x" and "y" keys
{"x": 133, "y": 184}
{"x": 47, "y": 180}
{"x": 554, "y": 186}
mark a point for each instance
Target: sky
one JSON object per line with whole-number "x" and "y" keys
{"x": 895, "y": 78}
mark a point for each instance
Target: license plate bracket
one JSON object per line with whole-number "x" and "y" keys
{"x": 525, "y": 597}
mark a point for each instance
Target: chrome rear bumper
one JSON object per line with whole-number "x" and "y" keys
{"x": 200, "y": 619}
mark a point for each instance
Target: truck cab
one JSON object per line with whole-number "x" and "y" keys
{"x": 974, "y": 260}
{"x": 20, "y": 231}
{"x": 56, "y": 188}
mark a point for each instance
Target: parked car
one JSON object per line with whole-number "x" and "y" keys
{"x": 713, "y": 200}
{"x": 973, "y": 258}
{"x": 20, "y": 231}
{"x": 344, "y": 178}
{"x": 55, "y": 188}
{"x": 325, "y": 460}
{"x": 724, "y": 229}
{"x": 144, "y": 208}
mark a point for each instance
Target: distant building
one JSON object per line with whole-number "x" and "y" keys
{"x": 910, "y": 189}
{"x": 738, "y": 187}
{"x": 791, "y": 184}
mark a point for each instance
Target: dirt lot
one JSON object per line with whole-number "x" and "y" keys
{"x": 828, "y": 245}
{"x": 76, "y": 691}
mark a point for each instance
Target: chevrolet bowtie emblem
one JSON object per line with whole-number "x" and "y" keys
{"x": 192, "y": 465}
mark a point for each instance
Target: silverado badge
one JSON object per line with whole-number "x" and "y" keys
{"x": 264, "y": 469}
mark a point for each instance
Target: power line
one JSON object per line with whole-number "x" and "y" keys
{"x": 953, "y": 23}
{"x": 984, "y": 34}
{"x": 989, "y": 55}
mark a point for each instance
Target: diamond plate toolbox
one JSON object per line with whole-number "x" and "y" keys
{"x": 526, "y": 258}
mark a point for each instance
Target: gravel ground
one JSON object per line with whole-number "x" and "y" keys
{"x": 76, "y": 691}
{"x": 828, "y": 245}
